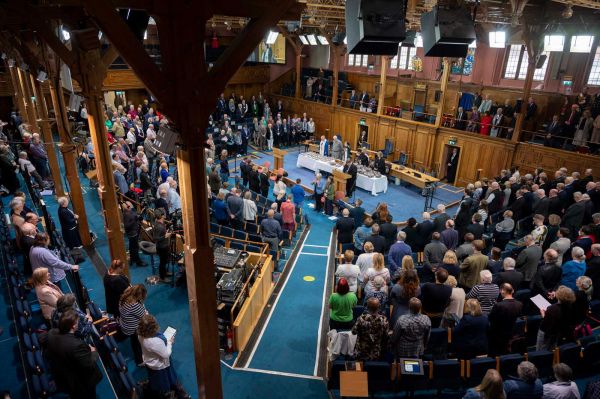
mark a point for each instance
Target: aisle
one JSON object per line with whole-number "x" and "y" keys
{"x": 289, "y": 340}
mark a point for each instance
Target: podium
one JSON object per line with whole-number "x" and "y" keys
{"x": 340, "y": 179}
{"x": 278, "y": 158}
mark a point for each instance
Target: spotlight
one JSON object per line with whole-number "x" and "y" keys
{"x": 303, "y": 39}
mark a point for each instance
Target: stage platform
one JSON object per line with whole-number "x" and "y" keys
{"x": 403, "y": 201}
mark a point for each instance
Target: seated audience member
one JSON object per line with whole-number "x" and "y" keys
{"x": 562, "y": 245}
{"x": 558, "y": 320}
{"x": 377, "y": 240}
{"x": 593, "y": 270}
{"x": 573, "y": 269}
{"x": 345, "y": 228}
{"x": 491, "y": 387}
{"x": 115, "y": 283}
{"x": 494, "y": 264}
{"x": 72, "y": 361}
{"x": 365, "y": 261}
{"x": 563, "y": 387}
{"x": 397, "y": 253}
{"x": 41, "y": 256}
{"x": 526, "y": 385}
{"x": 156, "y": 352}
{"x": 466, "y": 248}
{"x": 349, "y": 271}
{"x": 469, "y": 337}
{"x": 486, "y": 292}
{"x": 472, "y": 266}
{"x": 450, "y": 263}
{"x": 528, "y": 259}
{"x": 379, "y": 291}
{"x": 131, "y": 310}
{"x": 435, "y": 296}
{"x": 548, "y": 276}
{"x": 371, "y": 330}
{"x": 454, "y": 311}
{"x": 66, "y": 303}
{"x": 449, "y": 236}
{"x": 503, "y": 317}
{"x": 411, "y": 332}
{"x": 433, "y": 254}
{"x": 47, "y": 293}
{"x": 509, "y": 275}
{"x": 406, "y": 287}
{"x": 341, "y": 303}
{"x": 378, "y": 269}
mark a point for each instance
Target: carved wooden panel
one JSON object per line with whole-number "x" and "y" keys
{"x": 529, "y": 156}
{"x": 251, "y": 74}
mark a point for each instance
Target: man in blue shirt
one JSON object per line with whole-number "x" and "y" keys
{"x": 298, "y": 193}
{"x": 271, "y": 231}
{"x": 398, "y": 251}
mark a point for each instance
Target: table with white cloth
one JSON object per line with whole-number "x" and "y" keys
{"x": 374, "y": 185}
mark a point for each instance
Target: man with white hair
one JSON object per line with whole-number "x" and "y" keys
{"x": 548, "y": 276}
{"x": 424, "y": 231}
{"x": 542, "y": 204}
{"x": 486, "y": 292}
{"x": 397, "y": 252}
{"x": 449, "y": 237}
{"x": 440, "y": 220}
{"x": 173, "y": 195}
{"x": 528, "y": 259}
{"x": 276, "y": 215}
{"x": 344, "y": 227}
{"x": 574, "y": 215}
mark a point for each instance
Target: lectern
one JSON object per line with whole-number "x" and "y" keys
{"x": 278, "y": 158}
{"x": 340, "y": 179}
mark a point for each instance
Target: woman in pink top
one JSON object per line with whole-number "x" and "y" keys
{"x": 288, "y": 214}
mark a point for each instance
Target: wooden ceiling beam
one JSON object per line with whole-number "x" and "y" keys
{"x": 237, "y": 52}
{"x": 109, "y": 56}
{"x": 128, "y": 46}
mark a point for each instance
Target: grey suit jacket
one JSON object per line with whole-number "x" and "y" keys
{"x": 528, "y": 260}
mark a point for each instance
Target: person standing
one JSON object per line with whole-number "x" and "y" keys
{"x": 452, "y": 166}
{"x": 161, "y": 240}
{"x": 72, "y": 361}
{"x": 131, "y": 310}
{"x": 341, "y": 303}
{"x": 115, "y": 284}
{"x": 411, "y": 332}
{"x": 131, "y": 225}
{"x": 68, "y": 222}
{"x": 318, "y": 190}
{"x": 472, "y": 266}
{"x": 337, "y": 148}
{"x": 41, "y": 256}
{"x": 371, "y": 329}
{"x": 503, "y": 317}
{"x": 156, "y": 354}
{"x": 351, "y": 169}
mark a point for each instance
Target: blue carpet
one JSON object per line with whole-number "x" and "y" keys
{"x": 295, "y": 320}
{"x": 403, "y": 201}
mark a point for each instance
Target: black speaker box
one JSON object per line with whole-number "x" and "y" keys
{"x": 541, "y": 61}
{"x": 375, "y": 27}
{"x": 137, "y": 20}
{"x": 447, "y": 32}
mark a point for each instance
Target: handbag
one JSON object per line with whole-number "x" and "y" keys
{"x": 583, "y": 330}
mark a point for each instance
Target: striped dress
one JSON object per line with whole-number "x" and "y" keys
{"x": 131, "y": 313}
{"x": 486, "y": 294}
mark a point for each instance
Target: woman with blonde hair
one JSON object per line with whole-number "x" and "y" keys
{"x": 558, "y": 320}
{"x": 450, "y": 263}
{"x": 408, "y": 263}
{"x": 47, "y": 293}
{"x": 454, "y": 310}
{"x": 491, "y": 387}
{"x": 378, "y": 269}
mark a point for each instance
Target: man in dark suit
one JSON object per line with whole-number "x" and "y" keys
{"x": 552, "y": 130}
{"x": 440, "y": 221}
{"x": 72, "y": 361}
{"x": 345, "y": 228}
{"x": 424, "y": 231}
{"x": 265, "y": 183}
{"x": 358, "y": 213}
{"x": 377, "y": 240}
{"x": 364, "y": 101}
{"x": 520, "y": 208}
{"x": 554, "y": 203}
{"x": 353, "y": 99}
{"x": 503, "y": 317}
{"x": 245, "y": 169}
{"x": 593, "y": 269}
{"x": 460, "y": 122}
{"x": 350, "y": 169}
{"x": 389, "y": 231}
{"x": 362, "y": 158}
{"x": 574, "y": 215}
{"x": 452, "y": 166}
{"x": 542, "y": 205}
{"x": 509, "y": 275}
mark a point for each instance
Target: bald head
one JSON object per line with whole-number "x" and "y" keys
{"x": 551, "y": 256}
{"x": 271, "y": 213}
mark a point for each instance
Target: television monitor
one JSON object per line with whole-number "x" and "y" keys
{"x": 411, "y": 366}
{"x": 272, "y": 53}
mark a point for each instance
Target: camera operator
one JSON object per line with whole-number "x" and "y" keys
{"x": 161, "y": 240}
{"x": 131, "y": 224}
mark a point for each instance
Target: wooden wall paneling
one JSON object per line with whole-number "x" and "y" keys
{"x": 530, "y": 156}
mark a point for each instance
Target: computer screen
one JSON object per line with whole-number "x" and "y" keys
{"x": 411, "y": 366}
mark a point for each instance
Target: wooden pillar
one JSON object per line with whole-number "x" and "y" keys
{"x": 69, "y": 154}
{"x": 336, "y": 72}
{"x": 298, "y": 93}
{"x": 46, "y": 134}
{"x": 31, "y": 117}
{"x": 18, "y": 94}
{"x": 382, "y": 79}
{"x": 516, "y": 136}
{"x": 443, "y": 87}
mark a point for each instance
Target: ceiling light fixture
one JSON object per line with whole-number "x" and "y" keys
{"x": 272, "y": 37}
{"x": 498, "y": 39}
{"x": 323, "y": 40}
{"x": 312, "y": 40}
{"x": 303, "y": 39}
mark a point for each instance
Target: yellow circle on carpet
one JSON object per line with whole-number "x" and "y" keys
{"x": 309, "y": 278}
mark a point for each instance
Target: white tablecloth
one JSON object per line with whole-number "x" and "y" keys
{"x": 372, "y": 184}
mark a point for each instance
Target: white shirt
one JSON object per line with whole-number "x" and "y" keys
{"x": 26, "y": 165}
{"x": 364, "y": 262}
{"x": 250, "y": 210}
{"x": 279, "y": 189}
{"x": 351, "y": 273}
{"x": 155, "y": 353}
{"x": 311, "y": 127}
